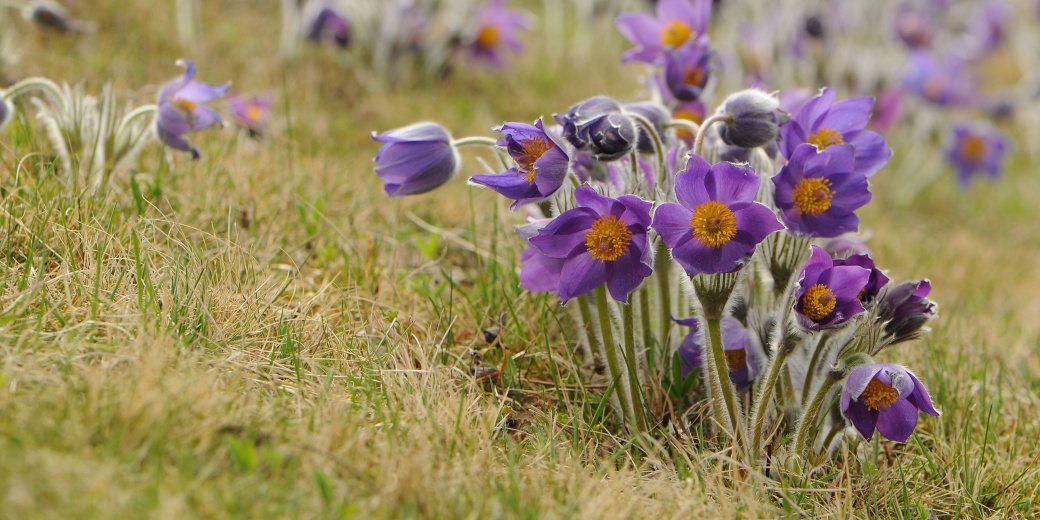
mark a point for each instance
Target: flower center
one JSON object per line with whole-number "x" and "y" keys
{"x": 689, "y": 115}
{"x": 530, "y": 151}
{"x": 825, "y": 138}
{"x": 812, "y": 196}
{"x": 973, "y": 148}
{"x": 878, "y": 395}
{"x": 675, "y": 33}
{"x": 714, "y": 224}
{"x": 819, "y": 302}
{"x": 694, "y": 76}
{"x": 609, "y": 239}
{"x": 185, "y": 106}
{"x": 488, "y": 37}
{"x": 254, "y": 114}
{"x": 736, "y": 359}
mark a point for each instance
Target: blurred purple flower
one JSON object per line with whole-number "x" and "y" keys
{"x": 603, "y": 240}
{"x": 717, "y": 224}
{"x": 818, "y": 192}
{"x": 541, "y": 164}
{"x": 323, "y": 23}
{"x": 694, "y": 111}
{"x": 914, "y": 26}
{"x": 846, "y": 245}
{"x": 415, "y": 159}
{"x": 942, "y": 83}
{"x": 656, "y": 113}
{"x": 828, "y": 293}
{"x": 888, "y": 110}
{"x": 691, "y": 351}
{"x": 823, "y": 123}
{"x": 496, "y": 30}
{"x": 677, "y": 22}
{"x": 251, "y": 112}
{"x": 977, "y": 148}
{"x": 886, "y": 397}
{"x": 687, "y": 70}
{"x": 6, "y": 111}
{"x": 182, "y": 109}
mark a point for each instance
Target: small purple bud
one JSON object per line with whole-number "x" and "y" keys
{"x": 599, "y": 125}
{"x": 754, "y": 119}
{"x": 415, "y": 159}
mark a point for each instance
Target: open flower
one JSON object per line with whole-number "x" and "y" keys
{"x": 687, "y": 70}
{"x": 818, "y": 192}
{"x": 977, "y": 148}
{"x": 602, "y": 241}
{"x": 943, "y": 82}
{"x": 886, "y": 397}
{"x": 182, "y": 109}
{"x": 717, "y": 224}
{"x": 250, "y": 112}
{"x": 539, "y": 273}
{"x": 497, "y": 29}
{"x": 677, "y": 22}
{"x": 415, "y": 159}
{"x": 541, "y": 164}
{"x": 828, "y": 294}
{"x": 823, "y": 123}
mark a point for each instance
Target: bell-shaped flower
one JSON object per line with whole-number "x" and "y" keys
{"x": 886, "y": 398}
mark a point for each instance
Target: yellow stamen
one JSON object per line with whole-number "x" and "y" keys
{"x": 188, "y": 107}
{"x": 714, "y": 224}
{"x": 531, "y": 150}
{"x": 973, "y": 148}
{"x": 688, "y": 115}
{"x": 489, "y": 37}
{"x": 825, "y": 138}
{"x": 812, "y": 196}
{"x": 736, "y": 359}
{"x": 675, "y": 33}
{"x": 609, "y": 239}
{"x": 694, "y": 76}
{"x": 819, "y": 302}
{"x": 878, "y": 395}
{"x": 254, "y": 114}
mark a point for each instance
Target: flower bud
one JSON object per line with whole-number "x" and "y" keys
{"x": 753, "y": 119}
{"x": 599, "y": 125}
{"x": 907, "y": 309}
{"x": 415, "y": 159}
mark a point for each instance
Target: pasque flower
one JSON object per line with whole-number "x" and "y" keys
{"x": 940, "y": 81}
{"x": 823, "y": 123}
{"x": 717, "y": 224}
{"x": 742, "y": 353}
{"x": 977, "y": 148}
{"x": 250, "y": 112}
{"x": 182, "y": 109}
{"x": 656, "y": 114}
{"x": 677, "y": 22}
{"x": 497, "y": 29}
{"x": 687, "y": 70}
{"x": 415, "y": 159}
{"x": 828, "y": 294}
{"x": 906, "y": 308}
{"x": 600, "y": 126}
{"x": 885, "y": 397}
{"x": 875, "y": 282}
{"x": 538, "y": 273}
{"x": 818, "y": 192}
{"x": 323, "y": 23}
{"x": 603, "y": 240}
{"x": 541, "y": 164}
{"x": 753, "y": 119}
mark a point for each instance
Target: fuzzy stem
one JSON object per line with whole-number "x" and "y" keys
{"x": 133, "y": 115}
{"x": 685, "y": 124}
{"x": 658, "y": 145}
{"x": 807, "y": 386}
{"x": 654, "y": 360}
{"x": 610, "y": 347}
{"x": 698, "y": 144}
{"x": 635, "y": 390}
{"x": 765, "y": 399}
{"x": 722, "y": 371}
{"x": 664, "y": 290}
{"x": 593, "y": 344}
{"x": 36, "y": 83}
{"x": 810, "y": 415}
{"x": 474, "y": 140}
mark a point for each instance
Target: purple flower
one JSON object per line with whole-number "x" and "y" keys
{"x": 907, "y": 308}
{"x": 323, "y": 23}
{"x": 942, "y": 83}
{"x": 539, "y": 273}
{"x": 693, "y": 111}
{"x": 977, "y": 148}
{"x": 602, "y": 241}
{"x": 875, "y": 282}
{"x": 250, "y": 112}
{"x": 828, "y": 294}
{"x": 886, "y": 397}
{"x": 823, "y": 123}
{"x": 497, "y": 28}
{"x": 742, "y": 352}
{"x": 915, "y": 27}
{"x": 541, "y": 164}
{"x": 686, "y": 71}
{"x": 888, "y": 110}
{"x": 847, "y": 245}
{"x": 599, "y": 125}
{"x": 717, "y": 223}
{"x": 677, "y": 22}
{"x": 817, "y": 192}
{"x": 415, "y": 159}
{"x": 182, "y": 109}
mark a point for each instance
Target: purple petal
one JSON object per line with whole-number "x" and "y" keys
{"x": 735, "y": 185}
{"x": 690, "y": 188}
{"x": 920, "y": 398}
{"x": 581, "y": 275}
{"x": 672, "y": 222}
{"x": 898, "y": 421}
{"x": 757, "y": 220}
{"x": 849, "y": 115}
{"x": 872, "y": 152}
{"x": 625, "y": 275}
{"x": 863, "y": 418}
{"x": 858, "y": 380}
{"x": 540, "y": 273}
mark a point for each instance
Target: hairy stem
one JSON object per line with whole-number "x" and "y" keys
{"x": 635, "y": 389}
{"x": 610, "y": 347}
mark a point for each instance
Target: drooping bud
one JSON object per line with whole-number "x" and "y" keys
{"x": 907, "y": 309}
{"x": 415, "y": 159}
{"x": 599, "y": 125}
{"x": 753, "y": 119}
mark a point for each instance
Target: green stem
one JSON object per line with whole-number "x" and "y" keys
{"x": 809, "y": 417}
{"x": 133, "y": 115}
{"x": 590, "y": 334}
{"x": 664, "y": 291}
{"x": 610, "y": 347}
{"x": 635, "y": 389}
{"x": 685, "y": 124}
{"x": 721, "y": 370}
{"x": 474, "y": 141}
{"x": 658, "y": 145}
{"x": 35, "y": 83}
{"x": 817, "y": 352}
{"x": 764, "y": 400}
{"x": 653, "y": 357}
{"x": 698, "y": 144}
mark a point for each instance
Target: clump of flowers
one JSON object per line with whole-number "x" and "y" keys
{"x": 737, "y": 214}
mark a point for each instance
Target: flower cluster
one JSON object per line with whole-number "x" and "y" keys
{"x": 729, "y": 218}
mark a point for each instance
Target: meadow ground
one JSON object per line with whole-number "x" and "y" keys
{"x": 262, "y": 333}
